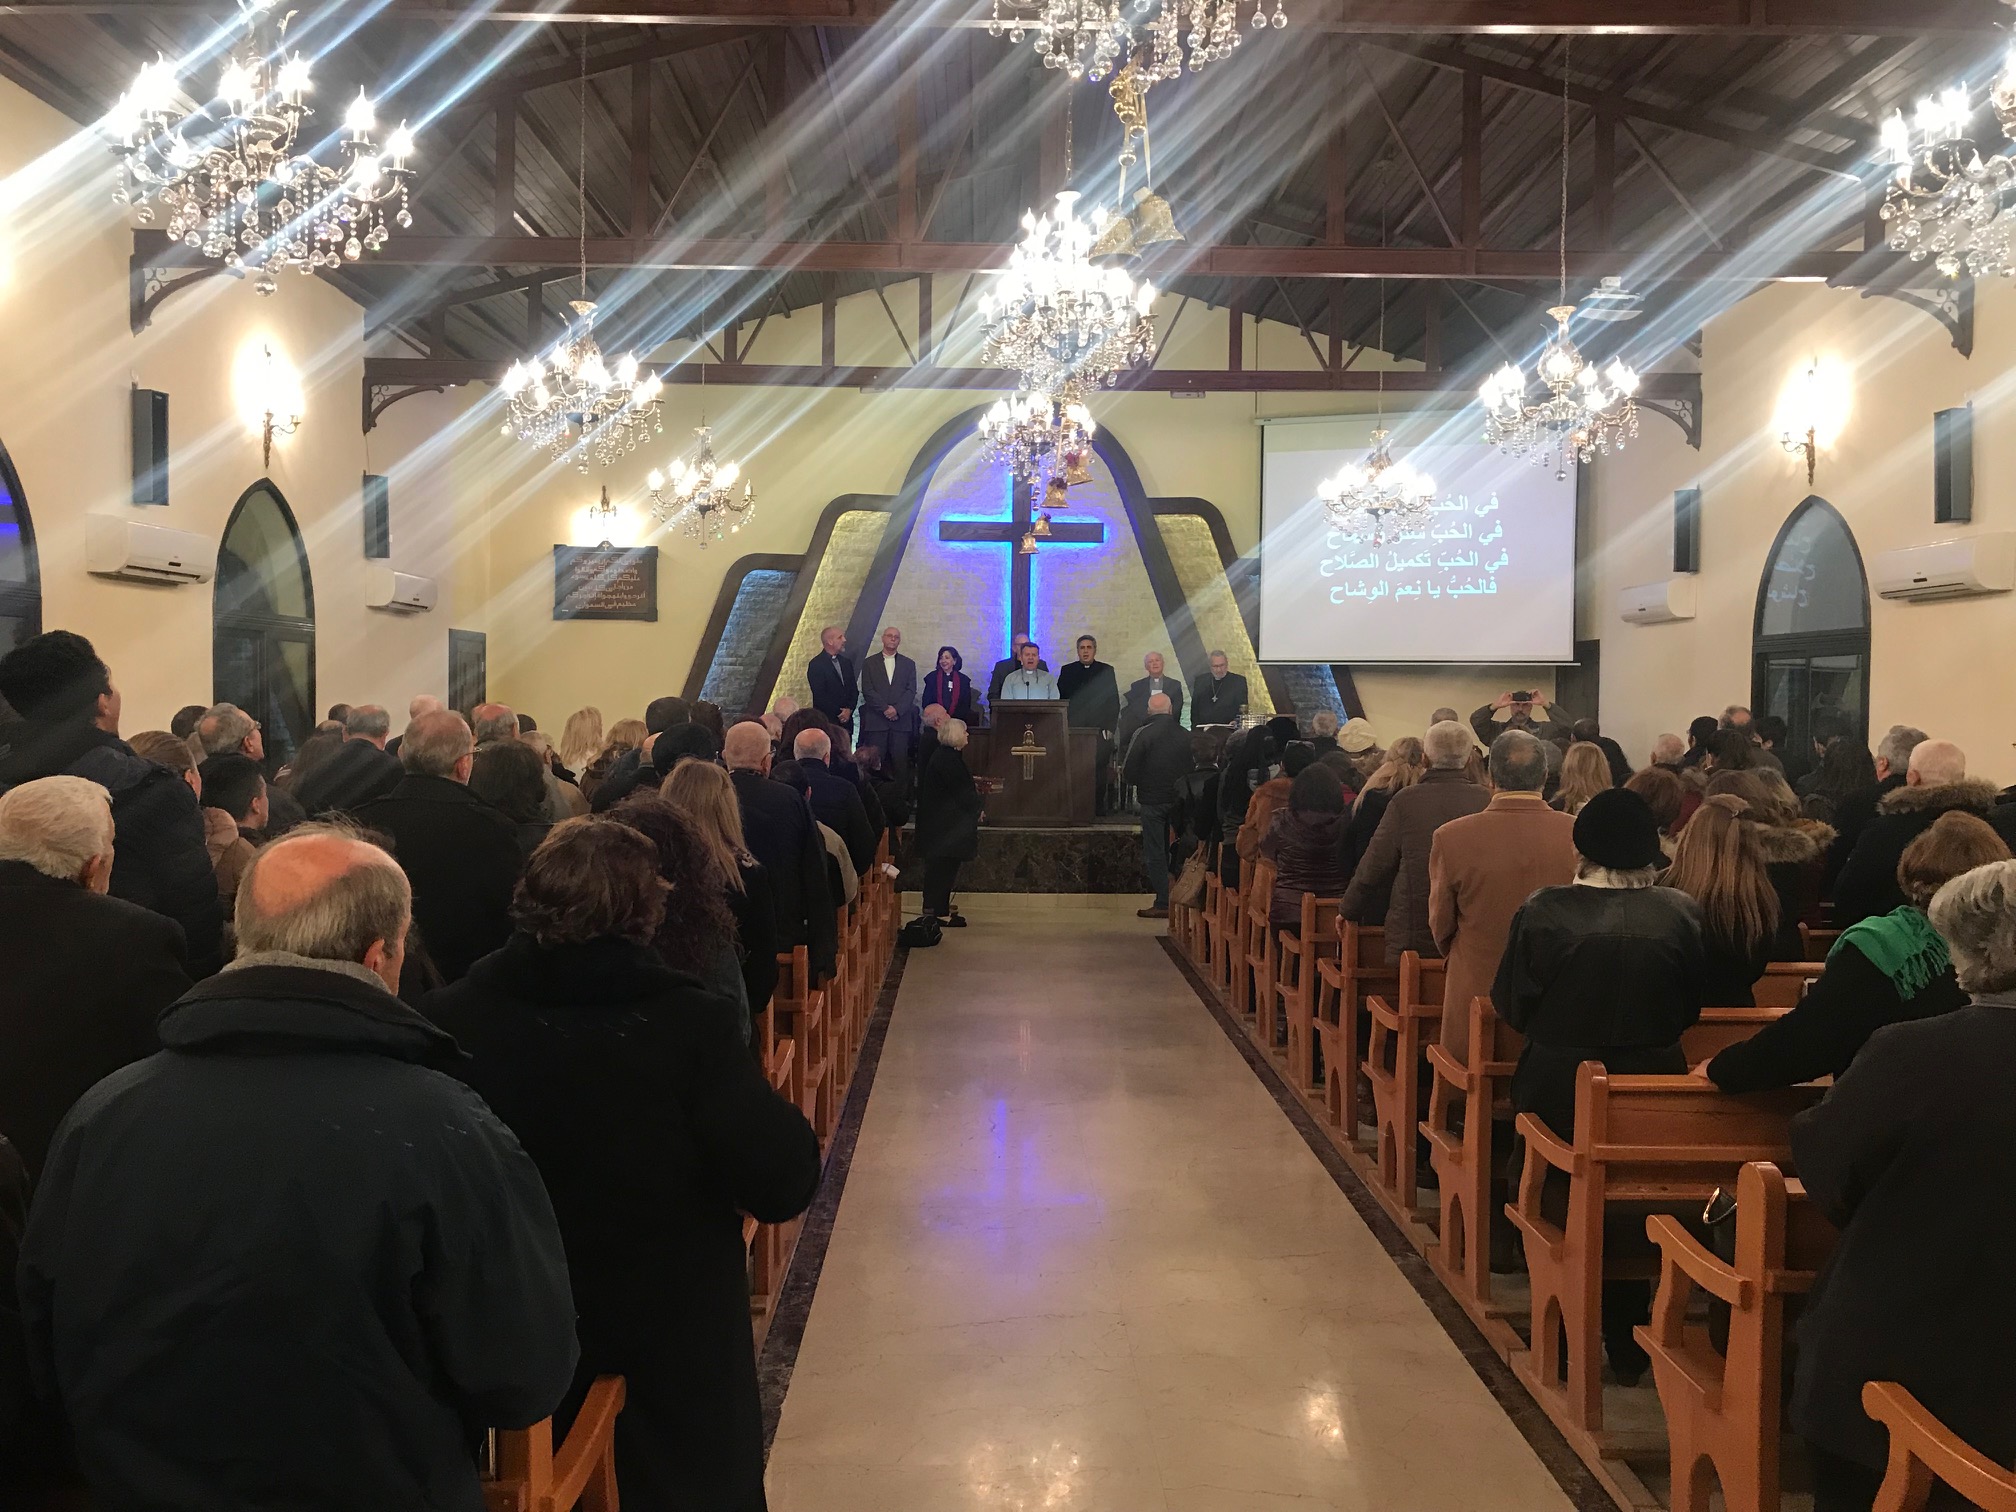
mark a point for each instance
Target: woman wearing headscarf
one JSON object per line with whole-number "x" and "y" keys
{"x": 949, "y": 687}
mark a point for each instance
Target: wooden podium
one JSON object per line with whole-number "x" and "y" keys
{"x": 1041, "y": 769}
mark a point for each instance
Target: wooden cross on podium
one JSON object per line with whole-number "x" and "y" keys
{"x": 1009, "y": 533}
{"x": 1028, "y": 751}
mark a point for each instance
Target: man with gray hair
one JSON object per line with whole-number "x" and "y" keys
{"x": 1853, "y": 813}
{"x": 494, "y": 722}
{"x": 357, "y": 771}
{"x": 836, "y": 802}
{"x": 421, "y": 703}
{"x": 1390, "y": 886}
{"x": 1670, "y": 751}
{"x": 226, "y": 727}
{"x": 1483, "y": 866}
{"x": 1218, "y": 697}
{"x": 778, "y": 828}
{"x": 86, "y": 973}
{"x": 289, "y": 1205}
{"x": 460, "y": 853}
{"x": 1935, "y": 783}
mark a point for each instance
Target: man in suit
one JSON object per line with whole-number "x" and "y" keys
{"x": 1008, "y": 664}
{"x": 359, "y": 770}
{"x": 779, "y": 829}
{"x": 889, "y": 704}
{"x": 835, "y": 687}
{"x": 1093, "y": 690}
{"x": 1135, "y": 714}
{"x": 1218, "y": 696}
{"x": 836, "y": 801}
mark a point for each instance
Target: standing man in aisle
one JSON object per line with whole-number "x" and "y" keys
{"x": 1094, "y": 694}
{"x": 1159, "y": 755}
{"x": 835, "y": 687}
{"x": 889, "y": 705}
{"x": 1219, "y": 696}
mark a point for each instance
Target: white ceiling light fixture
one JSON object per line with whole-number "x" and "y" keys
{"x": 699, "y": 492}
{"x": 1379, "y": 499}
{"x": 1087, "y": 38}
{"x": 226, "y": 179}
{"x": 1945, "y": 201}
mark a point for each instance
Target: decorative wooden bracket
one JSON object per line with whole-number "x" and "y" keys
{"x": 149, "y": 285}
{"x": 379, "y": 397}
{"x": 1950, "y": 301}
{"x": 1681, "y": 403}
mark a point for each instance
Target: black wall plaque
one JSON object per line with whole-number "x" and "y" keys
{"x": 605, "y": 582}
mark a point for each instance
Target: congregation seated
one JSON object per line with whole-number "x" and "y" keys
{"x": 357, "y": 771}
{"x": 1270, "y": 796}
{"x": 702, "y": 794}
{"x": 1720, "y": 865}
{"x": 1888, "y": 969}
{"x": 86, "y": 973}
{"x": 835, "y": 800}
{"x": 1912, "y": 1154}
{"x": 285, "y": 1261}
{"x": 629, "y": 1087}
{"x": 1610, "y": 969}
{"x": 510, "y": 777}
{"x": 459, "y": 852}
{"x": 1935, "y": 783}
{"x": 1391, "y": 881}
{"x": 235, "y": 815}
{"x": 782, "y": 834}
{"x": 68, "y": 725}
{"x": 1307, "y": 842}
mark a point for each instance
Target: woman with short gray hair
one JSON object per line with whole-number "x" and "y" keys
{"x": 1913, "y": 1156}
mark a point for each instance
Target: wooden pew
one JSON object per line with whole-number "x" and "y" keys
{"x": 1784, "y": 983}
{"x": 1643, "y": 1143}
{"x": 801, "y": 1016}
{"x": 1402, "y": 1028}
{"x": 1816, "y": 943}
{"x": 1924, "y": 1451}
{"x": 1225, "y": 929}
{"x": 1253, "y": 961}
{"x": 1342, "y": 983}
{"x": 1722, "y": 1409}
{"x": 1295, "y": 986}
{"x": 529, "y": 1476}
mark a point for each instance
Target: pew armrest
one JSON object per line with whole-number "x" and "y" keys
{"x": 589, "y": 1442}
{"x": 1541, "y": 1141}
{"x": 1922, "y": 1448}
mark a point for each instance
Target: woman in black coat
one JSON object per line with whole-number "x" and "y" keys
{"x": 1913, "y": 1156}
{"x": 628, "y": 1085}
{"x": 949, "y": 809}
{"x": 950, "y": 688}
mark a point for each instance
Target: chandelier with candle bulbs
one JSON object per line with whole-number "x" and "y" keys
{"x": 1945, "y": 201}
{"x": 1054, "y": 316}
{"x": 699, "y": 493}
{"x": 1033, "y": 431}
{"x": 226, "y": 179}
{"x": 1587, "y": 409}
{"x": 1086, "y": 38}
{"x": 572, "y": 398}
{"x": 1379, "y": 499}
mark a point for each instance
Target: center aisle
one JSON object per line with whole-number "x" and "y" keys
{"x": 1084, "y": 1261}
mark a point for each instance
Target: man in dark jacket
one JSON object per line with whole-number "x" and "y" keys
{"x": 86, "y": 973}
{"x": 285, "y": 1262}
{"x": 1935, "y": 782}
{"x": 1393, "y": 873}
{"x": 226, "y": 727}
{"x": 1591, "y": 732}
{"x": 1158, "y": 756}
{"x": 1853, "y": 812}
{"x": 660, "y": 715}
{"x": 357, "y": 771}
{"x": 1218, "y": 697}
{"x": 781, "y": 833}
{"x": 460, "y": 853}
{"x": 836, "y": 688}
{"x": 70, "y": 725}
{"x": 1092, "y": 689}
{"x": 836, "y": 801}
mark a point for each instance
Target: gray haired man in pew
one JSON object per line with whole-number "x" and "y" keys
{"x": 285, "y": 1262}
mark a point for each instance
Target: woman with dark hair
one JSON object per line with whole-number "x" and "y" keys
{"x": 1846, "y": 768}
{"x": 949, "y": 809}
{"x": 1245, "y": 768}
{"x": 315, "y": 750}
{"x": 655, "y": 1132}
{"x": 708, "y": 717}
{"x": 1309, "y": 844}
{"x": 1664, "y": 795}
{"x": 949, "y": 687}
{"x": 697, "y": 934}
{"x": 510, "y": 775}
{"x": 1731, "y": 751}
{"x": 1699, "y": 734}
{"x": 1719, "y": 864}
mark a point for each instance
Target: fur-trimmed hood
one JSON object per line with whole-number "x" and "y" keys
{"x": 1975, "y": 794}
{"x": 1801, "y": 842}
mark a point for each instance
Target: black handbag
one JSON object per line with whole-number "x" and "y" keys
{"x": 923, "y": 931}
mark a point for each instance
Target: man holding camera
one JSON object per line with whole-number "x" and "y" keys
{"x": 1518, "y": 711}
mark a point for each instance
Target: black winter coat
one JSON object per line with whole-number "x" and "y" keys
{"x": 1157, "y": 757}
{"x": 655, "y": 1132}
{"x": 85, "y": 979}
{"x": 1913, "y": 1155}
{"x": 837, "y": 804}
{"x": 355, "y": 773}
{"x": 1597, "y": 973}
{"x": 160, "y": 861}
{"x": 755, "y": 911}
{"x": 778, "y": 828}
{"x": 1195, "y": 815}
{"x": 286, "y": 1263}
{"x": 948, "y": 809}
{"x": 462, "y": 856}
{"x": 1851, "y": 815}
{"x": 1868, "y": 883}
{"x": 1389, "y": 884}
{"x": 1847, "y": 1003}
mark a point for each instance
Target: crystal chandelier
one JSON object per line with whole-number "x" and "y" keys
{"x": 1946, "y": 201}
{"x": 1054, "y": 317}
{"x": 572, "y": 398}
{"x": 1034, "y": 431}
{"x": 1379, "y": 499}
{"x": 700, "y": 493}
{"x": 1586, "y": 409}
{"x": 1086, "y": 38}
{"x": 226, "y": 178}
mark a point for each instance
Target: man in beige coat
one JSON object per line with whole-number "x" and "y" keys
{"x": 1483, "y": 866}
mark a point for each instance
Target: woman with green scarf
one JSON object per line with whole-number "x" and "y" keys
{"x": 1884, "y": 970}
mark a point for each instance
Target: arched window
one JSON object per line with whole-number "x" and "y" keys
{"x": 1810, "y": 665}
{"x": 263, "y": 651}
{"x": 20, "y": 583}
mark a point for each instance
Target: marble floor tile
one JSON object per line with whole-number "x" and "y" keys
{"x": 1083, "y": 1261}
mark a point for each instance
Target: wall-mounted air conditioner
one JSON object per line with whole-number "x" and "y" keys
{"x": 400, "y": 592}
{"x": 144, "y": 553}
{"x": 1658, "y": 603}
{"x": 1959, "y": 568}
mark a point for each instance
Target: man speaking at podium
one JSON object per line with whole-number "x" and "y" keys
{"x": 1028, "y": 680}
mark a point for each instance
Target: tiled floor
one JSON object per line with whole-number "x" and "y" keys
{"x": 1084, "y": 1261}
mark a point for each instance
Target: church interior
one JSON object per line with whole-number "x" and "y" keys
{"x": 1317, "y": 430}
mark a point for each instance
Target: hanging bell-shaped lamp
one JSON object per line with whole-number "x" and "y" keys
{"x": 1152, "y": 221}
{"x": 1028, "y": 546}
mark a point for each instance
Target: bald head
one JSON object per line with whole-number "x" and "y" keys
{"x": 438, "y": 745}
{"x": 424, "y": 703}
{"x": 1934, "y": 762}
{"x": 812, "y": 745}
{"x": 325, "y": 893}
{"x": 494, "y": 722}
{"x": 1158, "y": 703}
{"x": 746, "y": 748}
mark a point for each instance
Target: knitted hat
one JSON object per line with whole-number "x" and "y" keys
{"x": 1617, "y": 829}
{"x": 1357, "y": 735}
{"x": 681, "y": 742}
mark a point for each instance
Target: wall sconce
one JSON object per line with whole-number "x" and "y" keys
{"x": 1807, "y": 441}
{"x": 1813, "y": 412}
{"x": 603, "y": 516}
{"x": 281, "y": 415}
